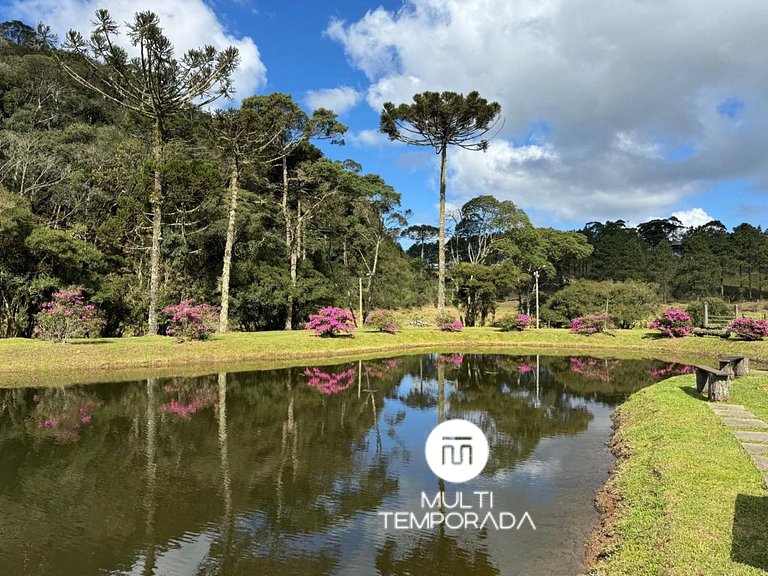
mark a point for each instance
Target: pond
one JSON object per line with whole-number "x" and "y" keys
{"x": 293, "y": 472}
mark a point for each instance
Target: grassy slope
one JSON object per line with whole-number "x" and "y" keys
{"x": 23, "y": 361}
{"x": 692, "y": 503}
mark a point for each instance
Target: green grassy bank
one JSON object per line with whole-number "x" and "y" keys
{"x": 25, "y": 362}
{"x": 685, "y": 499}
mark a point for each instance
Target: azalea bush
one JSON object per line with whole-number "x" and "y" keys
{"x": 592, "y": 324}
{"x": 383, "y": 321}
{"x": 448, "y": 323}
{"x": 673, "y": 324}
{"x": 749, "y": 328}
{"x": 330, "y": 322}
{"x": 68, "y": 315}
{"x": 509, "y": 323}
{"x": 190, "y": 321}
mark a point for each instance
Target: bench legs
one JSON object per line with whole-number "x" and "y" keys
{"x": 719, "y": 388}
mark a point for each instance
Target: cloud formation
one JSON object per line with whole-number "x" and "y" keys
{"x": 693, "y": 217}
{"x": 644, "y": 103}
{"x": 187, "y": 24}
{"x": 340, "y": 100}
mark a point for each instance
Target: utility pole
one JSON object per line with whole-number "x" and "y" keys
{"x": 536, "y": 275}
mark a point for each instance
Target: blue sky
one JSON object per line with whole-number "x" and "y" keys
{"x": 612, "y": 110}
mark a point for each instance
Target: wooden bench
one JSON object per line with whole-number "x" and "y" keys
{"x": 714, "y": 383}
{"x": 736, "y": 365}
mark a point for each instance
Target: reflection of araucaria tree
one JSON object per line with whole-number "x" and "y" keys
{"x": 439, "y": 120}
{"x": 154, "y": 84}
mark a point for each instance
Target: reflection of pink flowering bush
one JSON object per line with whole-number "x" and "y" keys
{"x": 749, "y": 328}
{"x": 382, "y": 320}
{"x": 379, "y": 369}
{"x": 329, "y": 383}
{"x": 454, "y": 360}
{"x": 673, "y": 324}
{"x": 592, "y": 324}
{"x": 330, "y": 322}
{"x": 186, "y": 400}
{"x": 62, "y": 414}
{"x": 524, "y": 368}
{"x": 593, "y": 368}
{"x": 672, "y": 369}
{"x": 190, "y": 321}
{"x": 68, "y": 315}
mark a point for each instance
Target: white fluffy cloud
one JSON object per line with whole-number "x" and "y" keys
{"x": 337, "y": 99}
{"x": 693, "y": 217}
{"x": 187, "y": 23}
{"x": 634, "y": 105}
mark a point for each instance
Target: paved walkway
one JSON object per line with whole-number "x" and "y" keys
{"x": 749, "y": 430}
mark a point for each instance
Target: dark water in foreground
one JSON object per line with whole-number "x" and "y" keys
{"x": 285, "y": 472}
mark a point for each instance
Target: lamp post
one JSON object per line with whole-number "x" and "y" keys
{"x": 536, "y": 276}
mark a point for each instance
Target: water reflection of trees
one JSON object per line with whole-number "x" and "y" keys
{"x": 434, "y": 554}
{"x": 262, "y": 466}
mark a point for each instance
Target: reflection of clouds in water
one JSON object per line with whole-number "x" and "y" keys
{"x": 184, "y": 557}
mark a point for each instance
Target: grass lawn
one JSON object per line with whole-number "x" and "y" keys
{"x": 25, "y": 362}
{"x": 690, "y": 500}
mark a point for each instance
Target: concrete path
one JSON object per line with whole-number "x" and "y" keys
{"x": 754, "y": 440}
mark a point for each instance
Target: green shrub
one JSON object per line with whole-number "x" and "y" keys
{"x": 717, "y": 307}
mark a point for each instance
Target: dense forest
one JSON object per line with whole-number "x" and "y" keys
{"x": 239, "y": 207}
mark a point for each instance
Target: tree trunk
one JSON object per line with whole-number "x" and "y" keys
{"x": 156, "y": 200}
{"x": 441, "y": 237}
{"x": 224, "y": 314}
{"x": 289, "y": 241}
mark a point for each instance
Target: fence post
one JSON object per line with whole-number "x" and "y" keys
{"x": 706, "y": 314}
{"x": 737, "y": 311}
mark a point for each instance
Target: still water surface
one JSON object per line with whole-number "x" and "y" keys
{"x": 285, "y": 472}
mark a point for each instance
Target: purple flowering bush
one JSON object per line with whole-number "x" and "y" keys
{"x": 330, "y": 322}
{"x": 190, "y": 321}
{"x": 749, "y": 328}
{"x": 517, "y": 323}
{"x": 68, "y": 315}
{"x": 329, "y": 382}
{"x": 673, "y": 324}
{"x": 592, "y": 324}
{"x": 383, "y": 321}
{"x": 448, "y": 323}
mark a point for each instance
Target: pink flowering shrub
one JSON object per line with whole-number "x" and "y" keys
{"x": 190, "y": 321}
{"x": 379, "y": 368}
{"x": 592, "y": 324}
{"x": 749, "y": 328}
{"x": 328, "y": 383}
{"x": 448, "y": 323}
{"x": 330, "y": 322}
{"x": 517, "y": 323}
{"x": 673, "y": 324}
{"x": 68, "y": 315}
{"x": 383, "y": 321}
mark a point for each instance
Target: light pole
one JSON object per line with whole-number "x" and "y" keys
{"x": 536, "y": 276}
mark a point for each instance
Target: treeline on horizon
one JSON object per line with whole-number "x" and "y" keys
{"x": 77, "y": 177}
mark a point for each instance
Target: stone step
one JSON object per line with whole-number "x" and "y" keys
{"x": 744, "y": 423}
{"x": 760, "y": 461}
{"x": 721, "y": 406}
{"x": 746, "y": 436}
{"x": 738, "y": 414}
{"x": 755, "y": 448}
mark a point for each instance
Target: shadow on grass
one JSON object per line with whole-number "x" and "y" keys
{"x": 653, "y": 336}
{"x": 89, "y": 342}
{"x": 691, "y": 391}
{"x": 750, "y": 531}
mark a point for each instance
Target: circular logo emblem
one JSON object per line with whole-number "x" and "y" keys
{"x": 456, "y": 450}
